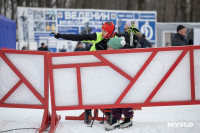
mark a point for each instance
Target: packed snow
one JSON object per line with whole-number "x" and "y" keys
{"x": 166, "y": 119}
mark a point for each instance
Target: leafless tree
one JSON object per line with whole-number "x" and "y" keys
{"x": 167, "y": 10}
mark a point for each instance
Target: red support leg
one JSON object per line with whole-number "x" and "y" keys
{"x": 46, "y": 120}
{"x": 81, "y": 117}
{"x": 54, "y": 121}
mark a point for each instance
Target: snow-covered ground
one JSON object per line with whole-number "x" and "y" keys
{"x": 147, "y": 120}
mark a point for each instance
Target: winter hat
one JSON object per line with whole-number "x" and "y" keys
{"x": 116, "y": 42}
{"x": 180, "y": 27}
{"x": 110, "y": 28}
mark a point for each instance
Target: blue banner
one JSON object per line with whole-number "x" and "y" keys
{"x": 40, "y": 22}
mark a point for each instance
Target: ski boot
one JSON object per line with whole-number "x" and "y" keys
{"x": 88, "y": 116}
{"x": 127, "y": 123}
{"x": 114, "y": 124}
{"x": 108, "y": 116}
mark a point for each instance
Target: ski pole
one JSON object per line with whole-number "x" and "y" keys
{"x": 102, "y": 122}
{"x": 94, "y": 118}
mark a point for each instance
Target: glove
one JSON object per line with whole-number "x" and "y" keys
{"x": 56, "y": 35}
{"x": 133, "y": 29}
{"x": 102, "y": 45}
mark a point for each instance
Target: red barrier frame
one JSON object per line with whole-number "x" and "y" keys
{"x": 46, "y": 115}
{"x": 105, "y": 62}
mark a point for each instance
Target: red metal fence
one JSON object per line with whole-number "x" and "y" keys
{"x": 50, "y": 63}
{"x": 132, "y": 80}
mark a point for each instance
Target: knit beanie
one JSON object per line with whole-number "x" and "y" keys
{"x": 110, "y": 28}
{"x": 116, "y": 42}
{"x": 180, "y": 27}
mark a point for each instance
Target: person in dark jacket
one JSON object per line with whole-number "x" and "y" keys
{"x": 43, "y": 47}
{"x": 63, "y": 49}
{"x": 179, "y": 38}
{"x": 144, "y": 42}
{"x": 79, "y": 47}
{"x": 129, "y": 25}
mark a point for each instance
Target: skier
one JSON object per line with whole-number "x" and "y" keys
{"x": 99, "y": 40}
{"x": 117, "y": 43}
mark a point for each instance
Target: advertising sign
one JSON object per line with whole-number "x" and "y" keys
{"x": 36, "y": 24}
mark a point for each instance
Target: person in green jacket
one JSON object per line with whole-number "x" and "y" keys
{"x": 99, "y": 39}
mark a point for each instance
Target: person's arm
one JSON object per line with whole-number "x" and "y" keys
{"x": 126, "y": 35}
{"x": 76, "y": 37}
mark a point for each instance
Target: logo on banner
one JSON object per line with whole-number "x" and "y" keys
{"x": 147, "y": 30}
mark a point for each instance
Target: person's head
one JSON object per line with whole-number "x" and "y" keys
{"x": 108, "y": 30}
{"x": 167, "y": 44}
{"x": 79, "y": 45}
{"x": 25, "y": 47}
{"x": 127, "y": 25}
{"x": 181, "y": 30}
{"x": 116, "y": 43}
{"x": 43, "y": 45}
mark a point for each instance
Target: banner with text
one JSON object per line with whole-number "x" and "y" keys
{"x": 36, "y": 24}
